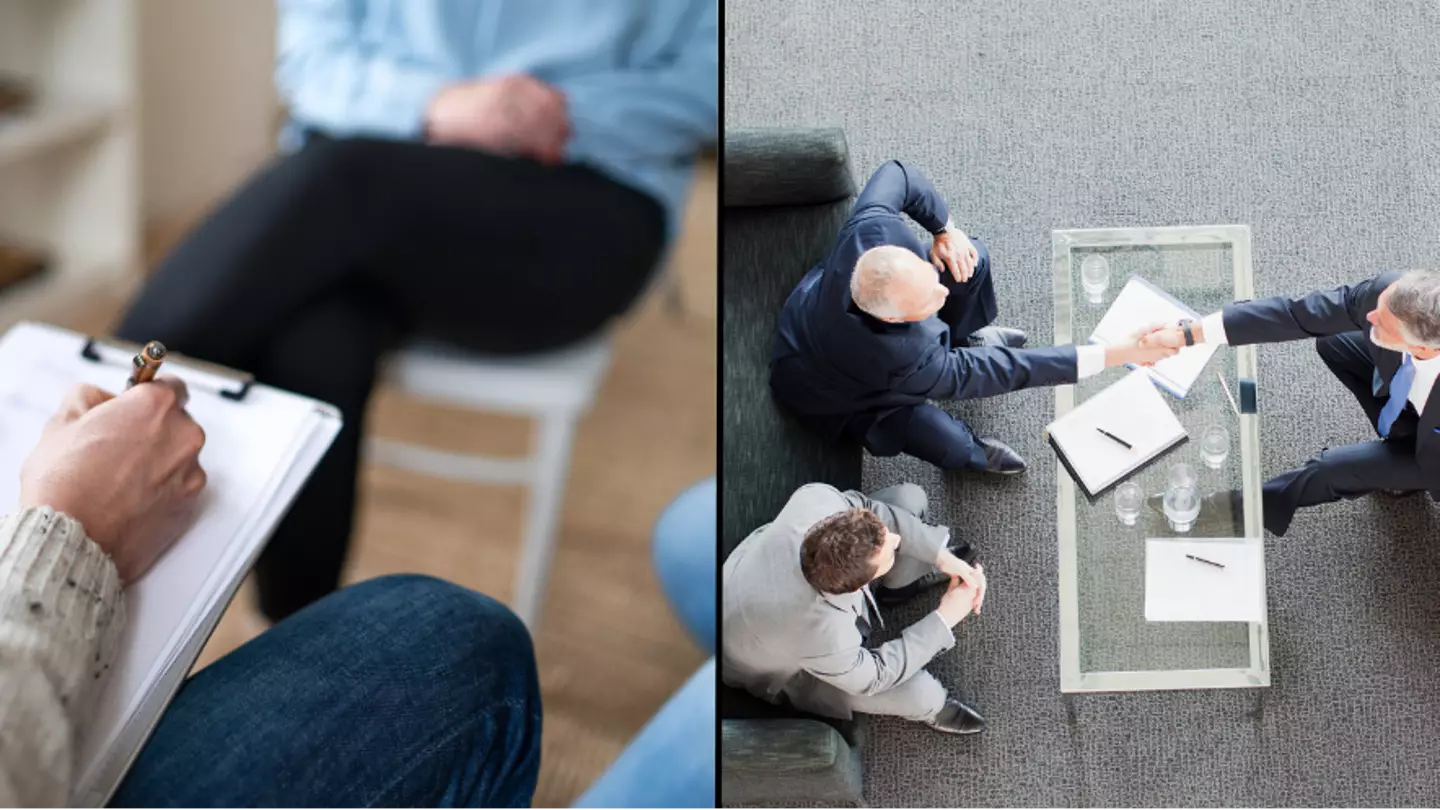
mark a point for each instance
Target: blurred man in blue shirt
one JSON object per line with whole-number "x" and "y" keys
{"x": 501, "y": 175}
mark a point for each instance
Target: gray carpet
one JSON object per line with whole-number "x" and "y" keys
{"x": 1318, "y": 124}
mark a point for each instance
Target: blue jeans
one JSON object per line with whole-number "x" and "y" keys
{"x": 671, "y": 762}
{"x": 398, "y": 691}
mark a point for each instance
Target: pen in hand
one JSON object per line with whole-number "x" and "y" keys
{"x": 146, "y": 363}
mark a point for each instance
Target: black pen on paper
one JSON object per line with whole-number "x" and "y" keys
{"x": 1128, "y": 446}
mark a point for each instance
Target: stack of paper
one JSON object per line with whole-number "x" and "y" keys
{"x": 1130, "y": 409}
{"x": 258, "y": 452}
{"x": 1141, "y": 305}
{"x": 1181, "y": 589}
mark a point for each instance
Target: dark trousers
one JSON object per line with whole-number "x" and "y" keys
{"x": 307, "y": 274}
{"x": 925, "y": 431}
{"x": 402, "y": 691}
{"x": 1354, "y": 469}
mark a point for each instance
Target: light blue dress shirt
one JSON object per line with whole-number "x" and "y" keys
{"x": 640, "y": 77}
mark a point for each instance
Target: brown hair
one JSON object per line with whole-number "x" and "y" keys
{"x": 838, "y": 555}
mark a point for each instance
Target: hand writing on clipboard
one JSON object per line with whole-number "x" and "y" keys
{"x": 125, "y": 466}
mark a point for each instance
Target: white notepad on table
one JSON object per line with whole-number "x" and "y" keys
{"x": 1141, "y": 304}
{"x": 1179, "y": 589}
{"x": 1129, "y": 408}
{"x": 261, "y": 444}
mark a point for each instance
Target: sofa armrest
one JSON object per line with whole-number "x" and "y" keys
{"x": 785, "y": 167}
{"x": 792, "y": 760}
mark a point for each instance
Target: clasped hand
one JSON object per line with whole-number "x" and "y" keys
{"x": 1169, "y": 336}
{"x": 1150, "y": 345}
{"x": 952, "y": 250}
{"x": 966, "y": 593}
{"x": 514, "y": 116}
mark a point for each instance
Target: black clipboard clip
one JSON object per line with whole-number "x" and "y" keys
{"x": 230, "y": 384}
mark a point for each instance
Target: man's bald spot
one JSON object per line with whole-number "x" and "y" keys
{"x": 887, "y": 281}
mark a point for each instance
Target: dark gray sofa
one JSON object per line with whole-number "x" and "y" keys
{"x": 785, "y": 195}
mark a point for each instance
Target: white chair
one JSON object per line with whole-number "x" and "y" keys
{"x": 554, "y": 389}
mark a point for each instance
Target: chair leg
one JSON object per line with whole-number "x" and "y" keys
{"x": 674, "y": 293}
{"x": 553, "y": 438}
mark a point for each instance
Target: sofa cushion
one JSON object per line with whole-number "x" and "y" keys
{"x": 782, "y": 761}
{"x": 766, "y": 452}
{"x": 770, "y": 167}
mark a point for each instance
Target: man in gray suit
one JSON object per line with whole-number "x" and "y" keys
{"x": 798, "y": 607}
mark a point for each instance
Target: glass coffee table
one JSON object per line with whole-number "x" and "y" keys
{"x": 1106, "y": 645}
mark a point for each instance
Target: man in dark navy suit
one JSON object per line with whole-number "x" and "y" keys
{"x": 875, "y": 330}
{"x": 1381, "y": 338}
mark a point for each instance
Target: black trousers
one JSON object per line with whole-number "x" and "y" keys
{"x": 308, "y": 273}
{"x": 1354, "y": 469}
{"x": 925, "y": 431}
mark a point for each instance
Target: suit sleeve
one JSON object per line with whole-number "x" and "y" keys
{"x": 988, "y": 371}
{"x": 860, "y": 671}
{"x": 898, "y": 187}
{"x": 1326, "y": 312}
{"x": 329, "y": 80}
{"x": 661, "y": 111}
{"x": 918, "y": 539}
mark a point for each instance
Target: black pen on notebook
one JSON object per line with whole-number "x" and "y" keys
{"x": 1128, "y": 446}
{"x": 1203, "y": 560}
{"x": 146, "y": 363}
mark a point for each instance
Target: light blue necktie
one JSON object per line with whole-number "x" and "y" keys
{"x": 1399, "y": 393}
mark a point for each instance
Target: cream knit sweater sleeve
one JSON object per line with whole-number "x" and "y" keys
{"x": 60, "y": 616}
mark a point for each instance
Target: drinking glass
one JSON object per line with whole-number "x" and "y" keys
{"x": 1128, "y": 500}
{"x": 1095, "y": 277}
{"x": 1214, "y": 446}
{"x": 1182, "y": 498}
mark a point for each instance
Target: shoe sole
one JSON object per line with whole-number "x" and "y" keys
{"x": 957, "y": 732}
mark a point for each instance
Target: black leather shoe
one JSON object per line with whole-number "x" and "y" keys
{"x": 1397, "y": 493}
{"x": 1001, "y": 458}
{"x": 889, "y": 597}
{"x": 996, "y": 336}
{"x": 957, "y": 718}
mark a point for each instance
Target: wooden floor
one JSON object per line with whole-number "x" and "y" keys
{"x": 610, "y": 653}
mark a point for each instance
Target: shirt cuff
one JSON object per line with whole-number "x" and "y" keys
{"x": 1214, "y": 326}
{"x": 1090, "y": 360}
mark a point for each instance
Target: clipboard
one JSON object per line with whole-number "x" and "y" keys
{"x": 1131, "y": 401}
{"x": 261, "y": 446}
{"x": 1092, "y": 497}
{"x": 1175, "y": 375}
{"x": 213, "y": 378}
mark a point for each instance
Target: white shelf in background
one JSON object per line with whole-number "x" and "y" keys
{"x": 52, "y": 124}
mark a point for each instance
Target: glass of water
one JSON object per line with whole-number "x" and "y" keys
{"x": 1128, "y": 499}
{"x": 1182, "y": 498}
{"x": 1214, "y": 446}
{"x": 1095, "y": 277}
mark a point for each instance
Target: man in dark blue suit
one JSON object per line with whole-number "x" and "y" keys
{"x": 1381, "y": 338}
{"x": 875, "y": 330}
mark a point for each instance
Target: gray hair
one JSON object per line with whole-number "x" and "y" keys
{"x": 1415, "y": 301}
{"x": 878, "y": 272}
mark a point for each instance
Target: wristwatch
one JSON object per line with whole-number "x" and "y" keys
{"x": 1189, "y": 336}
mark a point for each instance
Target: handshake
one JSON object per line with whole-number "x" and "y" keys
{"x": 1151, "y": 345}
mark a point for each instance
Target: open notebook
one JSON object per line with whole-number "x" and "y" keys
{"x": 1139, "y": 305}
{"x": 261, "y": 445}
{"x": 1131, "y": 409}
